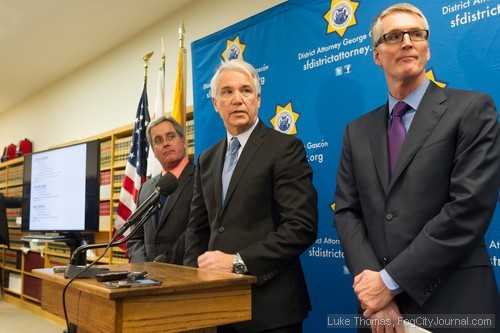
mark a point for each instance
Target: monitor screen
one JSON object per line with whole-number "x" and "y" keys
{"x": 61, "y": 189}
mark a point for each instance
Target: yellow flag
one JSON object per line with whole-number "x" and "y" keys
{"x": 179, "y": 107}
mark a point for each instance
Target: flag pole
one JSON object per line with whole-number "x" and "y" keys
{"x": 163, "y": 58}
{"x": 179, "y": 104}
{"x": 154, "y": 167}
{"x": 137, "y": 163}
{"x": 146, "y": 64}
{"x": 181, "y": 34}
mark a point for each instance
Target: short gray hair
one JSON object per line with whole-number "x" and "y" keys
{"x": 376, "y": 28}
{"x": 235, "y": 65}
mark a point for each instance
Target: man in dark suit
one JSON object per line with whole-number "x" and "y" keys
{"x": 269, "y": 214}
{"x": 412, "y": 225}
{"x": 162, "y": 238}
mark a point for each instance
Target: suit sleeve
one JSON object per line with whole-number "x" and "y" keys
{"x": 198, "y": 229}
{"x": 455, "y": 232}
{"x": 349, "y": 219}
{"x": 295, "y": 201}
{"x": 175, "y": 253}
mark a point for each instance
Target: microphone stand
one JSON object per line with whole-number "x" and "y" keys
{"x": 79, "y": 269}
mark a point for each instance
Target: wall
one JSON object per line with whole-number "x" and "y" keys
{"x": 104, "y": 94}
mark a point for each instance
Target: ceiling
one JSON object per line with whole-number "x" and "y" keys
{"x": 43, "y": 41}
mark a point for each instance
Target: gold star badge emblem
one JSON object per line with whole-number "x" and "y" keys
{"x": 430, "y": 75}
{"x": 340, "y": 16}
{"x": 234, "y": 50}
{"x": 285, "y": 118}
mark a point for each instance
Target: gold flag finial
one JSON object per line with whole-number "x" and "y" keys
{"x": 146, "y": 63}
{"x": 162, "y": 55}
{"x": 181, "y": 34}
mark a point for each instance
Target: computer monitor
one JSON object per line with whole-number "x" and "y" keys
{"x": 61, "y": 189}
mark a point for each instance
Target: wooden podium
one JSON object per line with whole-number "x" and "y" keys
{"x": 189, "y": 299}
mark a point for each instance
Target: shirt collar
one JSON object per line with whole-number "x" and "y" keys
{"x": 177, "y": 170}
{"x": 243, "y": 137}
{"x": 413, "y": 99}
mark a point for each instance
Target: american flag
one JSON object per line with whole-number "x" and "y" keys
{"x": 137, "y": 164}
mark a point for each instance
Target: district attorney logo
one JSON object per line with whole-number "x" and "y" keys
{"x": 234, "y": 50}
{"x": 340, "y": 16}
{"x": 285, "y": 118}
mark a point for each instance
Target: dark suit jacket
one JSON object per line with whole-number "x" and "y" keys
{"x": 269, "y": 218}
{"x": 164, "y": 241}
{"x": 426, "y": 224}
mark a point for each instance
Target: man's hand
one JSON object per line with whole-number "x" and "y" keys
{"x": 387, "y": 320}
{"x": 216, "y": 260}
{"x": 371, "y": 292}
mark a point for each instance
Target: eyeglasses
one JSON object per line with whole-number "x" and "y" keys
{"x": 168, "y": 138}
{"x": 395, "y": 37}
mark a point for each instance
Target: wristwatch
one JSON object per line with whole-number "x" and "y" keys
{"x": 238, "y": 265}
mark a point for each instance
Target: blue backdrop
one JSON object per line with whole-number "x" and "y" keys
{"x": 315, "y": 61}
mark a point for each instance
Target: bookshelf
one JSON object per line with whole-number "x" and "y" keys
{"x": 11, "y": 181}
{"x": 19, "y": 286}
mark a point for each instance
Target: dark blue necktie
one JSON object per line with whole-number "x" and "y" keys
{"x": 396, "y": 133}
{"x": 229, "y": 164}
{"x": 163, "y": 200}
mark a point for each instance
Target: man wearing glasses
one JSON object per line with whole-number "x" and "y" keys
{"x": 417, "y": 185}
{"x": 162, "y": 237}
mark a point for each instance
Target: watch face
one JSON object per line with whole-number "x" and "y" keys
{"x": 238, "y": 268}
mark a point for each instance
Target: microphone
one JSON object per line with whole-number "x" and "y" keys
{"x": 165, "y": 186}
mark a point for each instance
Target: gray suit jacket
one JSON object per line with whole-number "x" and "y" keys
{"x": 426, "y": 224}
{"x": 269, "y": 218}
{"x": 164, "y": 241}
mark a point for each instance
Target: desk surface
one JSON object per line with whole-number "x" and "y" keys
{"x": 188, "y": 299}
{"x": 175, "y": 279}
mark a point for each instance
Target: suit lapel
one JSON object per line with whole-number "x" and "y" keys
{"x": 172, "y": 198}
{"x": 254, "y": 142}
{"x": 429, "y": 112}
{"x": 378, "y": 142}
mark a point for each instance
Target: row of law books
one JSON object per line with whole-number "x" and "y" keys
{"x": 15, "y": 174}
{"x": 190, "y": 136}
{"x": 12, "y": 281}
{"x": 59, "y": 248}
{"x": 15, "y": 236}
{"x": 104, "y": 216}
{"x": 121, "y": 150}
{"x": 12, "y": 215}
{"x": 3, "y": 177}
{"x": 118, "y": 176}
{"x": 105, "y": 187}
{"x": 106, "y": 154}
{"x": 12, "y": 259}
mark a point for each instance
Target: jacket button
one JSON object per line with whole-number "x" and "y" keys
{"x": 221, "y": 229}
{"x": 388, "y": 217}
